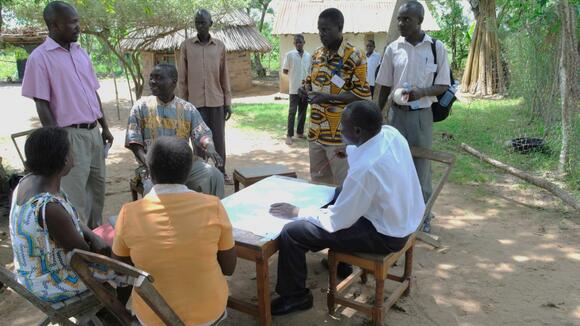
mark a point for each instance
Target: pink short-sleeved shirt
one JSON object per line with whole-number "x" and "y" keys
{"x": 66, "y": 79}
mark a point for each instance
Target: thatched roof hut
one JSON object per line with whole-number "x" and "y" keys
{"x": 235, "y": 29}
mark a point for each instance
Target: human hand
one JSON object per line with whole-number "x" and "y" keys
{"x": 303, "y": 92}
{"x": 318, "y": 98}
{"x": 213, "y": 154}
{"x": 99, "y": 246}
{"x": 414, "y": 93}
{"x": 340, "y": 152}
{"x": 227, "y": 112}
{"x": 284, "y": 210}
{"x": 107, "y": 136}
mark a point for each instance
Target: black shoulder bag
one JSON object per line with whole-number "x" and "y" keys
{"x": 442, "y": 107}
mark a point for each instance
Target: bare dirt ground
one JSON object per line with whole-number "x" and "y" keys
{"x": 510, "y": 255}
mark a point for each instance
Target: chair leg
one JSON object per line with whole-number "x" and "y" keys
{"x": 378, "y": 312}
{"x": 408, "y": 269}
{"x": 332, "y": 269}
{"x": 364, "y": 277}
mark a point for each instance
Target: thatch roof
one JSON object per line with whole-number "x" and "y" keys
{"x": 23, "y": 36}
{"x": 360, "y": 16}
{"x": 236, "y": 30}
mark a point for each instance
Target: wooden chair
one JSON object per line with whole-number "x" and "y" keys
{"x": 379, "y": 265}
{"x": 16, "y": 136}
{"x": 142, "y": 284}
{"x": 83, "y": 308}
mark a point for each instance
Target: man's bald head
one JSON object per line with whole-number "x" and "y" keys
{"x": 54, "y": 10}
{"x": 414, "y": 7}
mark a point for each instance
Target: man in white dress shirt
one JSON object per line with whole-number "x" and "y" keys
{"x": 297, "y": 67}
{"x": 373, "y": 63}
{"x": 379, "y": 206}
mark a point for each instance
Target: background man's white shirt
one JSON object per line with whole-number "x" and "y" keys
{"x": 373, "y": 62}
{"x": 298, "y": 67}
{"x": 403, "y": 62}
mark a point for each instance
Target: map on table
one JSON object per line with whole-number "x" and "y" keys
{"x": 248, "y": 209}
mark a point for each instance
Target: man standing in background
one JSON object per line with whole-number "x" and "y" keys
{"x": 204, "y": 82}
{"x": 60, "y": 78}
{"x": 373, "y": 63}
{"x": 296, "y": 66}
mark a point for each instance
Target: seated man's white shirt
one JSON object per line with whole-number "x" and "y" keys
{"x": 404, "y": 63}
{"x": 373, "y": 62}
{"x": 381, "y": 185}
{"x": 298, "y": 67}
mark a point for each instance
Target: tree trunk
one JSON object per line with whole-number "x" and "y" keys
{"x": 484, "y": 73}
{"x": 1, "y": 19}
{"x": 258, "y": 56}
{"x": 568, "y": 80}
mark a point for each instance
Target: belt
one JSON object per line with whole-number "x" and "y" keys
{"x": 406, "y": 107}
{"x": 83, "y": 125}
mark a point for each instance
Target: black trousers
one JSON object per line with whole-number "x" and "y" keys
{"x": 372, "y": 91}
{"x": 214, "y": 118}
{"x": 300, "y": 104}
{"x": 299, "y": 237}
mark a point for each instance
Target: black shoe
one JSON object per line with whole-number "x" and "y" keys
{"x": 285, "y": 305}
{"x": 342, "y": 271}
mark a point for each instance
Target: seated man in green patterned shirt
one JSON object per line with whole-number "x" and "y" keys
{"x": 165, "y": 114}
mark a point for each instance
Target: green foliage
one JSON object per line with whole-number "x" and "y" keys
{"x": 454, "y": 31}
{"x": 271, "y": 60}
{"x": 265, "y": 117}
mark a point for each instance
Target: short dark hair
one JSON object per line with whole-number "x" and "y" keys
{"x": 300, "y": 36}
{"x": 169, "y": 68}
{"x": 366, "y": 115}
{"x": 371, "y": 41}
{"x": 46, "y": 150}
{"x": 53, "y": 9}
{"x": 334, "y": 15}
{"x": 170, "y": 160}
{"x": 416, "y": 7}
{"x": 204, "y": 13}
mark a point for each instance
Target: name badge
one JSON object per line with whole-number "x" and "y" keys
{"x": 336, "y": 80}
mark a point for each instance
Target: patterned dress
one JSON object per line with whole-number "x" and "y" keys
{"x": 40, "y": 265}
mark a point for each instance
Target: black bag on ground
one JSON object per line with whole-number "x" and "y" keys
{"x": 442, "y": 107}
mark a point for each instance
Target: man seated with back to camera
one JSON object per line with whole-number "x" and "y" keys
{"x": 379, "y": 206}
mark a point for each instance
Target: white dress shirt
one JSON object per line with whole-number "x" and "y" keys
{"x": 298, "y": 67}
{"x": 381, "y": 185}
{"x": 373, "y": 62}
{"x": 405, "y": 63}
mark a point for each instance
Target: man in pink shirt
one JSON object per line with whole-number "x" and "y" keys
{"x": 60, "y": 78}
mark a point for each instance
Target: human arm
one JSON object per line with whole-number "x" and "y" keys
{"x": 225, "y": 83}
{"x": 323, "y": 98}
{"x": 201, "y": 137}
{"x": 226, "y": 255}
{"x": 385, "y": 78}
{"x": 286, "y": 65}
{"x": 416, "y": 93}
{"x": 61, "y": 228}
{"x": 134, "y": 139}
{"x": 44, "y": 113}
{"x": 182, "y": 90}
{"x": 384, "y": 92}
{"x": 106, "y": 133}
{"x": 139, "y": 152}
{"x": 96, "y": 243}
{"x": 120, "y": 250}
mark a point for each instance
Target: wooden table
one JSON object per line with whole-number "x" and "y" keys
{"x": 259, "y": 250}
{"x": 250, "y": 175}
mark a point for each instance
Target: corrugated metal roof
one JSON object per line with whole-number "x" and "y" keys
{"x": 235, "y": 39}
{"x": 360, "y": 16}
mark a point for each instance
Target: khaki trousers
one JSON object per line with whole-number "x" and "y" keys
{"x": 325, "y": 166}
{"x": 85, "y": 183}
{"x": 417, "y": 128}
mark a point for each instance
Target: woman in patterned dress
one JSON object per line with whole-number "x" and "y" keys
{"x": 44, "y": 226}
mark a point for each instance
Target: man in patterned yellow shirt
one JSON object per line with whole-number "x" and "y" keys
{"x": 337, "y": 78}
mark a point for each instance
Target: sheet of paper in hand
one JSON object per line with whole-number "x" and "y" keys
{"x": 249, "y": 208}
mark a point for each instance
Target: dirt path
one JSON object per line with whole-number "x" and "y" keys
{"x": 508, "y": 258}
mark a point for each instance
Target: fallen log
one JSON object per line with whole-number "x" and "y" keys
{"x": 554, "y": 189}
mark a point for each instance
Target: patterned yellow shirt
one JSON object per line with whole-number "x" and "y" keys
{"x": 349, "y": 63}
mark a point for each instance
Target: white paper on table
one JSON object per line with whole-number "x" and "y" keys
{"x": 249, "y": 208}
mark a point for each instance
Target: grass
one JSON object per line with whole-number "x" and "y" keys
{"x": 484, "y": 124}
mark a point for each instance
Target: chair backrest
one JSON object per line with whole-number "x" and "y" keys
{"x": 9, "y": 280}
{"x": 142, "y": 284}
{"x": 448, "y": 160}
{"x": 18, "y": 135}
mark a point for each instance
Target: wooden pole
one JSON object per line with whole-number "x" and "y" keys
{"x": 128, "y": 83}
{"x": 116, "y": 88}
{"x": 539, "y": 182}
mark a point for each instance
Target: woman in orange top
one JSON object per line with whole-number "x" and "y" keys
{"x": 182, "y": 238}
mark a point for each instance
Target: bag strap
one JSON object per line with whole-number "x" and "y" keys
{"x": 434, "y": 50}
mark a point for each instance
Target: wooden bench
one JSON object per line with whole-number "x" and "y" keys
{"x": 379, "y": 265}
{"x": 250, "y": 175}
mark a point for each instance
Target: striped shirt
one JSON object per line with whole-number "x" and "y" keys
{"x": 349, "y": 63}
{"x": 151, "y": 118}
